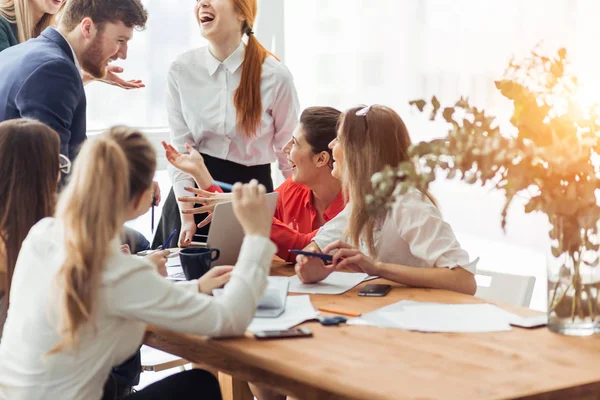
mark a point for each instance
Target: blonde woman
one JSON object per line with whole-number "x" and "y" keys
{"x": 21, "y": 20}
{"x": 411, "y": 244}
{"x": 78, "y": 305}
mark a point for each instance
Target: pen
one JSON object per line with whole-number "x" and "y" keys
{"x": 334, "y": 311}
{"x": 166, "y": 244}
{"x": 223, "y": 185}
{"x": 152, "y": 221}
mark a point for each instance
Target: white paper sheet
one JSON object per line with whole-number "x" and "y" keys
{"x": 533, "y": 321}
{"x": 431, "y": 317}
{"x": 336, "y": 283}
{"x": 297, "y": 310}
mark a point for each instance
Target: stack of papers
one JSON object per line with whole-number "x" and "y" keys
{"x": 435, "y": 317}
{"x": 298, "y": 309}
{"x": 336, "y": 283}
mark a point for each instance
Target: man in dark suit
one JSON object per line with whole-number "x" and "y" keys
{"x": 42, "y": 78}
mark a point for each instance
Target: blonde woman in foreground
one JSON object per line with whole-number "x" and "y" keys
{"x": 78, "y": 305}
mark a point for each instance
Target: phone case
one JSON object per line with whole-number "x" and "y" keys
{"x": 287, "y": 334}
{"x": 375, "y": 290}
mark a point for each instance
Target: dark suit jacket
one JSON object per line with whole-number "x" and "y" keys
{"x": 39, "y": 80}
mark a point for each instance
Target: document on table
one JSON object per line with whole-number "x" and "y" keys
{"x": 433, "y": 317}
{"x": 533, "y": 321}
{"x": 336, "y": 283}
{"x": 174, "y": 270}
{"x": 297, "y": 310}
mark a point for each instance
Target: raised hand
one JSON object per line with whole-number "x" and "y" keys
{"x": 250, "y": 208}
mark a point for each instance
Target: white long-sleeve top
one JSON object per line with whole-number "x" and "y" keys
{"x": 412, "y": 234}
{"x": 201, "y": 111}
{"x": 132, "y": 294}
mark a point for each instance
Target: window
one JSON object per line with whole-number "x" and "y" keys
{"x": 393, "y": 51}
{"x": 170, "y": 31}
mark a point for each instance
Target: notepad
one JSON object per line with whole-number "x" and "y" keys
{"x": 336, "y": 283}
{"x": 298, "y": 309}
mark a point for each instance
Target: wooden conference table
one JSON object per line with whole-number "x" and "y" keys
{"x": 359, "y": 362}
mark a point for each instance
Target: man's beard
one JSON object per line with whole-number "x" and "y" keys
{"x": 92, "y": 60}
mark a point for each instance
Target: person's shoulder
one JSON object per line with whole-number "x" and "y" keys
{"x": 119, "y": 266}
{"x": 192, "y": 58}
{"x": 5, "y": 24}
{"x": 278, "y": 70}
{"x": 42, "y": 238}
{"x": 291, "y": 189}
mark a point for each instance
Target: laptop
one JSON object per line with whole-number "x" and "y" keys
{"x": 226, "y": 233}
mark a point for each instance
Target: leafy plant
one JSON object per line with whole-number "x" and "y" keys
{"x": 552, "y": 159}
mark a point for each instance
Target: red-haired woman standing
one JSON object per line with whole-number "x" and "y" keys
{"x": 233, "y": 101}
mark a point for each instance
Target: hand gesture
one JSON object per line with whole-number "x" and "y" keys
{"x": 207, "y": 199}
{"x": 191, "y": 163}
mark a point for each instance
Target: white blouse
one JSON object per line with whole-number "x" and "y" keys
{"x": 132, "y": 294}
{"x": 200, "y": 92}
{"x": 413, "y": 234}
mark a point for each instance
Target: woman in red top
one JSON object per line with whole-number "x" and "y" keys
{"x": 307, "y": 200}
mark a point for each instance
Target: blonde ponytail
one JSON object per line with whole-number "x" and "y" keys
{"x": 108, "y": 174}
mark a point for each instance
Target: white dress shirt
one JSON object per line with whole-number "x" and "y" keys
{"x": 131, "y": 295}
{"x": 413, "y": 234}
{"x": 200, "y": 92}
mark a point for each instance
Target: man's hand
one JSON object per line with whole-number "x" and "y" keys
{"x": 114, "y": 80}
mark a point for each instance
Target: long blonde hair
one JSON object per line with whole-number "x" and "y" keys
{"x": 247, "y": 100}
{"x": 370, "y": 141}
{"x": 19, "y": 12}
{"x": 109, "y": 174}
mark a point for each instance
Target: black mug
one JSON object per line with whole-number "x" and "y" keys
{"x": 195, "y": 261}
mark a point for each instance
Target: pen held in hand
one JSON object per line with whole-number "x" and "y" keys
{"x": 223, "y": 185}
{"x": 165, "y": 245}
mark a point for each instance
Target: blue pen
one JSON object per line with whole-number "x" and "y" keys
{"x": 223, "y": 185}
{"x": 324, "y": 257}
{"x": 171, "y": 236}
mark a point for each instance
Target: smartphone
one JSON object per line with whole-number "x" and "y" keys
{"x": 288, "y": 333}
{"x": 324, "y": 257}
{"x": 375, "y": 290}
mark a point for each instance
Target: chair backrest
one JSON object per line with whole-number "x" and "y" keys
{"x": 156, "y": 360}
{"x": 515, "y": 290}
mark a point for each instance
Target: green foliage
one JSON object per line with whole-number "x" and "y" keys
{"x": 554, "y": 154}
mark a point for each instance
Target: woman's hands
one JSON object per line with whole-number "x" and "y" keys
{"x": 159, "y": 258}
{"x": 313, "y": 269}
{"x": 250, "y": 208}
{"x": 215, "y": 278}
{"x": 207, "y": 199}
